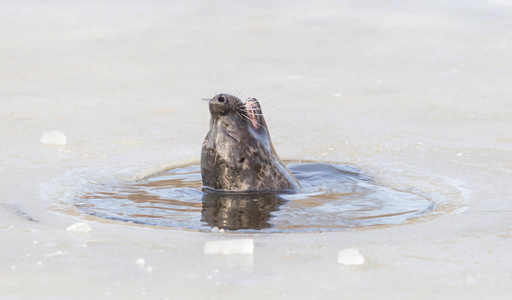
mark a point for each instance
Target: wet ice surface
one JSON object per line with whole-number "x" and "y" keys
{"x": 333, "y": 197}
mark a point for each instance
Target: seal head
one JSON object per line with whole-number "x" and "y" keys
{"x": 237, "y": 153}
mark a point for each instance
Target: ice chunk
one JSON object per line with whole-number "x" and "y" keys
{"x": 53, "y": 138}
{"x": 140, "y": 261}
{"x": 239, "y": 246}
{"x": 79, "y": 228}
{"x": 56, "y": 253}
{"x": 350, "y": 256}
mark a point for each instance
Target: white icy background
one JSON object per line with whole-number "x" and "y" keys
{"x": 415, "y": 88}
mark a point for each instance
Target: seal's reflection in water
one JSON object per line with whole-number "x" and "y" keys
{"x": 239, "y": 211}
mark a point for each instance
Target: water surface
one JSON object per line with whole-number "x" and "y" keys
{"x": 333, "y": 197}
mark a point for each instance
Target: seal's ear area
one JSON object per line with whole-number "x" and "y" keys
{"x": 221, "y": 104}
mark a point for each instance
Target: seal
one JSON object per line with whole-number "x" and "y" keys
{"x": 237, "y": 154}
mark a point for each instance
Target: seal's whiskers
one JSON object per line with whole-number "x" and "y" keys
{"x": 255, "y": 114}
{"x": 249, "y": 119}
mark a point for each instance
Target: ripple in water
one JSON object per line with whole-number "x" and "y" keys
{"x": 334, "y": 197}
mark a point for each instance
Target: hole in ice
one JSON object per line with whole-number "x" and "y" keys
{"x": 334, "y": 197}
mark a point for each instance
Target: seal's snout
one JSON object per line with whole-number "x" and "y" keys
{"x": 221, "y": 99}
{"x": 219, "y": 104}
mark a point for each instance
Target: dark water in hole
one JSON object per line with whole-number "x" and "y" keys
{"x": 333, "y": 197}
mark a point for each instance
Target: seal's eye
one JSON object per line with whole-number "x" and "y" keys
{"x": 221, "y": 99}
{"x": 241, "y": 160}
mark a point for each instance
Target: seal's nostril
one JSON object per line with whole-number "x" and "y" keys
{"x": 221, "y": 99}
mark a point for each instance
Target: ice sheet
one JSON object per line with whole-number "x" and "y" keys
{"x": 403, "y": 90}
